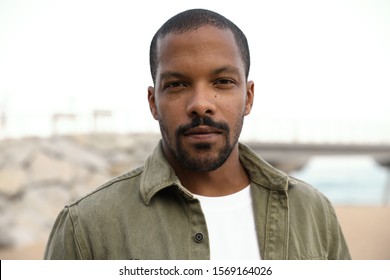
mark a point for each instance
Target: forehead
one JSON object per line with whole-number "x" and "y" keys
{"x": 207, "y": 44}
{"x": 201, "y": 30}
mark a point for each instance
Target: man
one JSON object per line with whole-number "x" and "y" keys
{"x": 201, "y": 194}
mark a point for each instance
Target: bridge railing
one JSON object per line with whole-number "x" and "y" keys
{"x": 263, "y": 129}
{"x": 320, "y": 131}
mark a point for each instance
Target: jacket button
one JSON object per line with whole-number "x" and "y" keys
{"x": 198, "y": 237}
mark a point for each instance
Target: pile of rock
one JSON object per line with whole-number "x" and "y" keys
{"x": 39, "y": 176}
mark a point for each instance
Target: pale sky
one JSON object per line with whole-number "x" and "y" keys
{"x": 321, "y": 68}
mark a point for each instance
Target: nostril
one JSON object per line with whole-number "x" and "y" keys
{"x": 201, "y": 102}
{"x": 201, "y": 113}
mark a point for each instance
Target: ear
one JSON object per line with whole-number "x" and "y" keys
{"x": 152, "y": 103}
{"x": 250, "y": 92}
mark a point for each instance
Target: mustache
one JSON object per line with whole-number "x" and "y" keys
{"x": 202, "y": 121}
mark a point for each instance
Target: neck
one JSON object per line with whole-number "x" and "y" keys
{"x": 229, "y": 178}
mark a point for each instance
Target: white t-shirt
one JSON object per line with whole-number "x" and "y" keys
{"x": 231, "y": 226}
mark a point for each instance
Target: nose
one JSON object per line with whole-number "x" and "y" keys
{"x": 201, "y": 102}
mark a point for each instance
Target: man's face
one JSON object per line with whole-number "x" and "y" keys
{"x": 200, "y": 97}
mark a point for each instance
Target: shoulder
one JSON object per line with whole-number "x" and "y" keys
{"x": 302, "y": 194}
{"x": 307, "y": 203}
{"x": 297, "y": 186}
{"x": 116, "y": 189}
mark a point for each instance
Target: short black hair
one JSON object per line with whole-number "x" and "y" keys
{"x": 192, "y": 20}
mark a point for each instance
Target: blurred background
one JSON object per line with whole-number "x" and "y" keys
{"x": 74, "y": 111}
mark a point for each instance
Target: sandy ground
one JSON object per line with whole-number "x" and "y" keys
{"x": 367, "y": 230}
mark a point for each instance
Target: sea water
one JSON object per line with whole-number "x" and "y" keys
{"x": 348, "y": 180}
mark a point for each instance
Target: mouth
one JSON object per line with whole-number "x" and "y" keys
{"x": 203, "y": 130}
{"x": 203, "y": 133}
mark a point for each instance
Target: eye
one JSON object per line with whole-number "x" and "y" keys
{"x": 174, "y": 85}
{"x": 225, "y": 83}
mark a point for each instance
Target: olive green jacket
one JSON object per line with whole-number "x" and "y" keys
{"x": 148, "y": 214}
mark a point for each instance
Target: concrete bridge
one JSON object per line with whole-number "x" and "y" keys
{"x": 294, "y": 156}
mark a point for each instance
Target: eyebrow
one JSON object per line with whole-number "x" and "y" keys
{"x": 224, "y": 69}
{"x": 171, "y": 74}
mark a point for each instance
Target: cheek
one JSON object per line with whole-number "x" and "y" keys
{"x": 168, "y": 119}
{"x": 167, "y": 113}
{"x": 236, "y": 109}
{"x": 172, "y": 109}
{"x": 166, "y": 131}
{"x": 236, "y": 114}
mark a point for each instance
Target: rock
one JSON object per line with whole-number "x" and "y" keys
{"x": 121, "y": 163}
{"x": 71, "y": 151}
{"x": 89, "y": 183}
{"x": 16, "y": 152}
{"x": 12, "y": 181}
{"x": 47, "y": 169}
{"x": 38, "y": 177}
{"x": 5, "y": 238}
{"x": 5, "y": 223}
{"x": 36, "y": 212}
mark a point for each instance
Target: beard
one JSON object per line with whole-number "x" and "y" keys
{"x": 193, "y": 158}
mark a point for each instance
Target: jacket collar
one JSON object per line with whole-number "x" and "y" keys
{"x": 158, "y": 174}
{"x": 261, "y": 172}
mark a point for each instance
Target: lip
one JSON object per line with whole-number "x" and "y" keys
{"x": 202, "y": 130}
{"x": 203, "y": 133}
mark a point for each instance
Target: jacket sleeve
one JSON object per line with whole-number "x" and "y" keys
{"x": 63, "y": 243}
{"x": 338, "y": 248}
